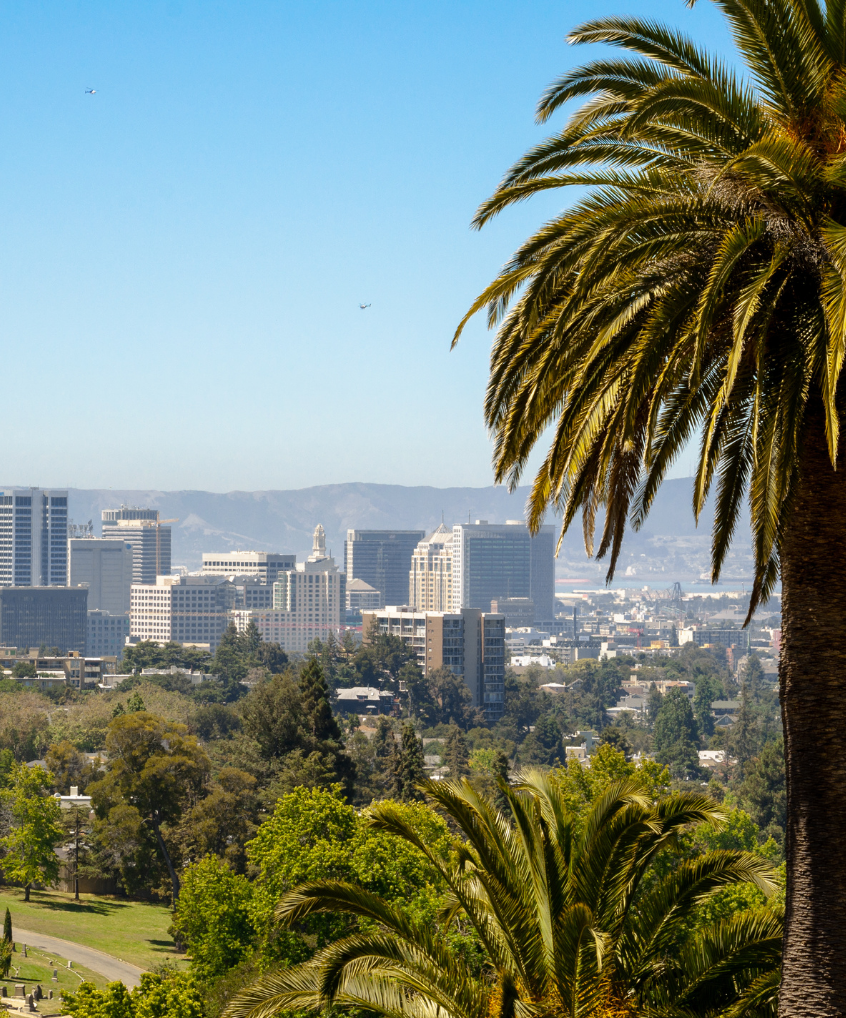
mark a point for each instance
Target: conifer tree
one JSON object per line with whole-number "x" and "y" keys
{"x": 325, "y": 732}
{"x": 456, "y": 756}
{"x": 408, "y": 766}
{"x": 7, "y": 927}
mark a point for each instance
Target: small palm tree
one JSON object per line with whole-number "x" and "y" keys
{"x": 573, "y": 918}
{"x": 699, "y": 288}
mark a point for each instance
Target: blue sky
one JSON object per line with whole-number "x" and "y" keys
{"x": 183, "y": 254}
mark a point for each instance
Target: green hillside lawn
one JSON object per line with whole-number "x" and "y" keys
{"x": 38, "y": 967}
{"x": 130, "y": 930}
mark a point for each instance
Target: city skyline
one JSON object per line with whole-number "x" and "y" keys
{"x": 168, "y": 237}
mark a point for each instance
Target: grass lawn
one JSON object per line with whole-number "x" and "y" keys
{"x": 38, "y": 967}
{"x": 133, "y": 931}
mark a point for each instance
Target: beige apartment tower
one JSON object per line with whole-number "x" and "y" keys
{"x": 430, "y": 578}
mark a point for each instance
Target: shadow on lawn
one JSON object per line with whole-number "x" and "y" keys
{"x": 99, "y": 907}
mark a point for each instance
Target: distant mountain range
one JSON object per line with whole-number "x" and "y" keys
{"x": 669, "y": 547}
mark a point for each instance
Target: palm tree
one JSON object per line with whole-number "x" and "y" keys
{"x": 572, "y": 915}
{"x": 698, "y": 287}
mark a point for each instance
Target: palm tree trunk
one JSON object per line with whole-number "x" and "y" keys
{"x": 813, "y": 698}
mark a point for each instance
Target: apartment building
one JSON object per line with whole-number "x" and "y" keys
{"x": 185, "y": 609}
{"x": 264, "y": 565}
{"x": 469, "y": 642}
{"x": 33, "y": 537}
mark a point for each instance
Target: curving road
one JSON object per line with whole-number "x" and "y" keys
{"x": 108, "y": 966}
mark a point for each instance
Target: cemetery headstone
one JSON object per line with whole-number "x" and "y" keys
{"x": 50, "y": 995}
{"x": 24, "y": 951}
{"x": 70, "y": 964}
{"x": 55, "y": 976}
{"x": 20, "y": 989}
{"x": 38, "y": 993}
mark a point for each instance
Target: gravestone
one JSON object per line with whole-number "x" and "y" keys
{"x": 38, "y": 993}
{"x": 3, "y": 991}
{"x": 50, "y": 995}
{"x": 70, "y": 964}
{"x": 24, "y": 951}
{"x": 20, "y": 989}
{"x": 30, "y": 1002}
{"x": 55, "y": 976}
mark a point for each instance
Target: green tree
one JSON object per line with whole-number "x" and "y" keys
{"x": 24, "y": 670}
{"x": 155, "y": 767}
{"x": 135, "y": 704}
{"x": 456, "y": 756}
{"x": 653, "y": 704}
{"x": 212, "y": 917}
{"x": 703, "y": 696}
{"x": 36, "y": 831}
{"x": 323, "y": 733}
{"x": 676, "y": 735}
{"x": 6, "y": 946}
{"x": 743, "y": 736}
{"x": 408, "y": 769}
{"x": 313, "y": 835}
{"x": 763, "y": 791}
{"x": 698, "y": 286}
{"x": 599, "y": 945}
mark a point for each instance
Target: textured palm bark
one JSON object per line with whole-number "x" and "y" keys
{"x": 813, "y": 698}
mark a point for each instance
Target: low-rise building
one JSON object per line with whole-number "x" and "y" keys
{"x": 106, "y": 633}
{"x": 184, "y": 609}
{"x": 363, "y": 700}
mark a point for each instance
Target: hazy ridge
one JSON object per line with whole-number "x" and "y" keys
{"x": 669, "y": 545}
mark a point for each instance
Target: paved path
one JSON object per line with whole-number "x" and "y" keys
{"x": 107, "y": 965}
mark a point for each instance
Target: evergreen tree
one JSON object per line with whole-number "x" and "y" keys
{"x": 703, "y": 697}
{"x": 408, "y": 765}
{"x": 653, "y": 704}
{"x": 743, "y": 732}
{"x": 7, "y": 927}
{"x": 676, "y": 735}
{"x": 251, "y": 640}
{"x": 456, "y": 753}
{"x": 134, "y": 704}
{"x": 322, "y": 726}
{"x": 384, "y": 747}
{"x": 753, "y": 678}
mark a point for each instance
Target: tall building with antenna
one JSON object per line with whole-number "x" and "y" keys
{"x": 148, "y": 536}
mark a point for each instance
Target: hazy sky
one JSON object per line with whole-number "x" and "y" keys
{"x": 183, "y": 254}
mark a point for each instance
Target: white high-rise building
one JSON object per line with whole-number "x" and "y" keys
{"x": 104, "y": 566}
{"x": 33, "y": 537}
{"x": 308, "y": 602}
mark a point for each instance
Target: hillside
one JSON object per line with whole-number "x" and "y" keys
{"x": 669, "y": 546}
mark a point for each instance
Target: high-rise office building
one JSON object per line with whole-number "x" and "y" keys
{"x": 382, "y": 558}
{"x": 44, "y": 616}
{"x": 33, "y": 537}
{"x": 469, "y": 642}
{"x": 491, "y": 561}
{"x": 262, "y": 564}
{"x": 430, "y": 577}
{"x": 104, "y": 565}
{"x": 148, "y": 537}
